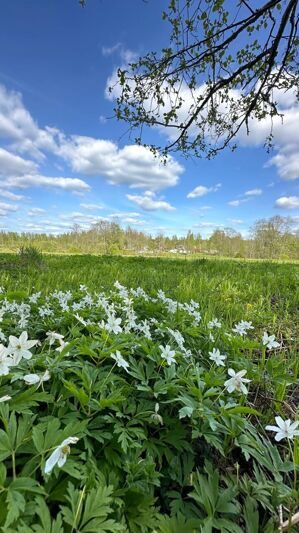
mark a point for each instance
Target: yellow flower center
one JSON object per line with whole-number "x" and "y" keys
{"x": 66, "y": 450}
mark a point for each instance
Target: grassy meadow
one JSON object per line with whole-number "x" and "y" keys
{"x": 264, "y": 292}
{"x": 116, "y": 409}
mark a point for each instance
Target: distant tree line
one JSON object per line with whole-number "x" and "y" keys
{"x": 273, "y": 238}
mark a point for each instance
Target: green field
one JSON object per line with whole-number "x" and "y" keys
{"x": 264, "y": 292}
{"x": 131, "y": 393}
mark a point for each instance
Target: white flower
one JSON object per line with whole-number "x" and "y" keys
{"x": 217, "y": 357}
{"x": 113, "y": 325}
{"x": 269, "y": 341}
{"x": 34, "y": 297}
{"x": 242, "y": 327}
{"x": 120, "y": 361}
{"x": 5, "y": 361}
{"x": 61, "y": 346}
{"x": 60, "y": 454}
{"x": 80, "y": 319}
{"x": 52, "y": 337}
{"x": 285, "y": 429}
{"x": 20, "y": 347}
{"x": 237, "y": 381}
{"x": 5, "y": 398}
{"x": 33, "y": 379}
{"x": 167, "y": 354}
{"x": 155, "y": 416}
{"x": 214, "y": 324}
{"x": 211, "y": 337}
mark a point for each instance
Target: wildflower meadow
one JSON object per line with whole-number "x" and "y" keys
{"x": 125, "y": 408}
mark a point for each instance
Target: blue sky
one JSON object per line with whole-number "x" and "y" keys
{"x": 64, "y": 161}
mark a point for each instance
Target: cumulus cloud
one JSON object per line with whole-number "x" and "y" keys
{"x": 17, "y": 124}
{"x": 149, "y": 202}
{"x": 201, "y": 190}
{"x": 286, "y": 136}
{"x": 37, "y": 180}
{"x": 287, "y": 202}
{"x": 12, "y": 165}
{"x": 6, "y": 209}
{"x": 254, "y": 192}
{"x": 131, "y": 165}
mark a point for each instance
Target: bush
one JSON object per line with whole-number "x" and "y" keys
{"x": 31, "y": 256}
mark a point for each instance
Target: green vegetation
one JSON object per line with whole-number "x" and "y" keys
{"x": 273, "y": 238}
{"x": 127, "y": 406}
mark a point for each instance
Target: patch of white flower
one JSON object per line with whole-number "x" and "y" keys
{"x": 236, "y": 381}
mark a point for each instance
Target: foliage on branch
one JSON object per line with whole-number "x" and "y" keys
{"x": 226, "y": 64}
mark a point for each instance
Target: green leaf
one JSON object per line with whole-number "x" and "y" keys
{"x": 16, "y": 505}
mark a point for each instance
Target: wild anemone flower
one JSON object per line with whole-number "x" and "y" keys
{"x": 120, "y": 361}
{"x": 285, "y": 429}
{"x": 113, "y": 325}
{"x": 34, "y": 379}
{"x": 60, "y": 454}
{"x": 167, "y": 354}
{"x": 5, "y": 361}
{"x": 236, "y": 382}
{"x": 61, "y": 346}
{"x": 5, "y": 398}
{"x": 19, "y": 347}
{"x": 52, "y": 337}
{"x": 269, "y": 341}
{"x": 217, "y": 358}
{"x": 214, "y": 323}
{"x": 242, "y": 327}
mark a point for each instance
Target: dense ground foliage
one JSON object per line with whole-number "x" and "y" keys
{"x": 147, "y": 407}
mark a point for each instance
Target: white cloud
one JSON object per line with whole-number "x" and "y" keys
{"x": 287, "y": 162}
{"x": 286, "y": 131}
{"x": 91, "y": 207}
{"x": 254, "y": 192}
{"x": 208, "y": 225}
{"x": 287, "y": 202}
{"x": 36, "y": 180}
{"x": 201, "y": 190}
{"x": 148, "y": 202}
{"x": 11, "y": 195}
{"x": 236, "y": 203}
{"x": 80, "y": 218}
{"x": 35, "y": 211}
{"x": 110, "y": 50}
{"x": 236, "y": 221}
{"x": 131, "y": 165}
{"x": 12, "y": 165}
{"x": 6, "y": 209}
{"x": 286, "y": 136}
{"x": 128, "y": 217}
{"x": 17, "y": 125}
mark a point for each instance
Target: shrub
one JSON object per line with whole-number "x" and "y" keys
{"x": 31, "y": 256}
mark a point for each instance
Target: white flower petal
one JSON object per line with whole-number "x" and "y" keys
{"x": 51, "y": 462}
